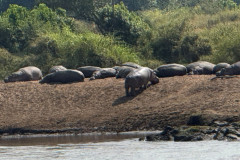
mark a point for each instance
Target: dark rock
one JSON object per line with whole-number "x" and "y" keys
{"x": 195, "y": 120}
{"x": 183, "y": 138}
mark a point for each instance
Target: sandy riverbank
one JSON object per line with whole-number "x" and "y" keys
{"x": 101, "y": 105}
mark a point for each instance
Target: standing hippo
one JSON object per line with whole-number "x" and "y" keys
{"x": 200, "y": 67}
{"x": 88, "y": 70}
{"x": 66, "y": 76}
{"x": 103, "y": 73}
{"x": 170, "y": 70}
{"x": 233, "y": 69}
{"x": 29, "y": 73}
{"x": 139, "y": 78}
{"x": 131, "y": 64}
{"x": 220, "y": 66}
{"x": 57, "y": 68}
{"x": 123, "y": 71}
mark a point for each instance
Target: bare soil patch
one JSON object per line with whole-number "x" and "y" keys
{"x": 101, "y": 105}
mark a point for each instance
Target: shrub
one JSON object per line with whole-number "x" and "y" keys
{"x": 91, "y": 49}
{"x": 19, "y": 25}
{"x": 126, "y": 25}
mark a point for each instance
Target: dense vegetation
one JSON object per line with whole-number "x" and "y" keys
{"x": 149, "y": 32}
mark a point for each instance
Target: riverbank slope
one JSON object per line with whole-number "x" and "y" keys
{"x": 101, "y": 105}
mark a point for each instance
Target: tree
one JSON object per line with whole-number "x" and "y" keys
{"x": 4, "y": 4}
{"x": 126, "y": 25}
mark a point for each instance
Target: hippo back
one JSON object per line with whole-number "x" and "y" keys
{"x": 103, "y": 73}
{"x": 30, "y": 73}
{"x": 170, "y": 70}
{"x": 141, "y": 76}
{"x": 66, "y": 76}
{"x": 57, "y": 68}
{"x": 123, "y": 71}
{"x": 131, "y": 64}
{"x": 233, "y": 69}
{"x": 200, "y": 67}
{"x": 220, "y": 66}
{"x": 88, "y": 70}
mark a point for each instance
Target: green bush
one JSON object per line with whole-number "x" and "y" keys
{"x": 91, "y": 49}
{"x": 19, "y": 25}
{"x": 8, "y": 63}
{"x": 126, "y": 25}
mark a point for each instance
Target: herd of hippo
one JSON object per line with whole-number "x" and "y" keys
{"x": 135, "y": 75}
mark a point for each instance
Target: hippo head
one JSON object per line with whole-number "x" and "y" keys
{"x": 12, "y": 78}
{"x": 154, "y": 79}
{"x": 226, "y": 71}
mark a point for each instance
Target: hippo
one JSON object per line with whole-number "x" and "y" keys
{"x": 123, "y": 71}
{"x": 66, "y": 76}
{"x": 88, "y": 70}
{"x": 30, "y": 73}
{"x": 219, "y": 66}
{"x": 103, "y": 73}
{"x": 200, "y": 67}
{"x": 57, "y": 68}
{"x": 233, "y": 69}
{"x": 131, "y": 64}
{"x": 170, "y": 70}
{"x": 139, "y": 78}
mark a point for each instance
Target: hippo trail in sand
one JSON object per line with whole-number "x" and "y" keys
{"x": 233, "y": 69}
{"x": 29, "y": 73}
{"x": 170, "y": 70}
{"x": 139, "y": 78}
{"x": 200, "y": 67}
{"x": 66, "y": 76}
{"x": 103, "y": 73}
{"x": 57, "y": 68}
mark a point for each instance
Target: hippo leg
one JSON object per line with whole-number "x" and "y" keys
{"x": 127, "y": 91}
{"x": 132, "y": 91}
{"x": 145, "y": 86}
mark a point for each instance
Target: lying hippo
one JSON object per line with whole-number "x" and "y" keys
{"x": 103, "y": 73}
{"x": 233, "y": 69}
{"x": 123, "y": 71}
{"x": 131, "y": 64}
{"x": 66, "y": 76}
{"x": 220, "y": 66}
{"x": 57, "y": 68}
{"x": 200, "y": 67}
{"x": 139, "y": 78}
{"x": 29, "y": 73}
{"x": 88, "y": 70}
{"x": 170, "y": 70}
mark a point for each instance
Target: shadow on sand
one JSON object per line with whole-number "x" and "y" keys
{"x": 125, "y": 99}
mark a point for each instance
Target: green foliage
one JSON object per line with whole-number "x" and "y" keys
{"x": 91, "y": 49}
{"x": 4, "y": 4}
{"x": 225, "y": 41}
{"x": 192, "y": 47}
{"x": 126, "y": 25}
{"x": 8, "y": 63}
{"x": 19, "y": 25}
{"x": 81, "y": 9}
{"x": 134, "y": 5}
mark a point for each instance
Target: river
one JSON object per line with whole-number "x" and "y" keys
{"x": 124, "y": 146}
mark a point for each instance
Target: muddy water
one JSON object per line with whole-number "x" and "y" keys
{"x": 113, "y": 147}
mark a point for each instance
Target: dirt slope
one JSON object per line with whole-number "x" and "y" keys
{"x": 101, "y": 105}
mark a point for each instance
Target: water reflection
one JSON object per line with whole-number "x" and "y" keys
{"x": 113, "y": 146}
{"x": 66, "y": 139}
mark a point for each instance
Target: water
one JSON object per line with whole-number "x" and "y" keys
{"x": 113, "y": 147}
